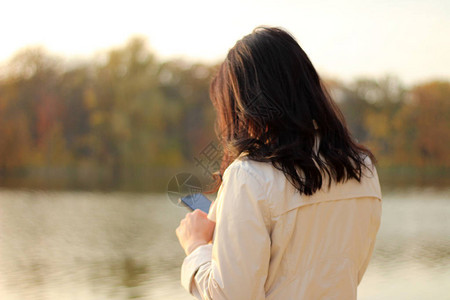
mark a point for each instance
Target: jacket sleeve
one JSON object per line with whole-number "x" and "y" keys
{"x": 235, "y": 266}
{"x": 375, "y": 226}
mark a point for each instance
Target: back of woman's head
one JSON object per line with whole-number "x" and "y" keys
{"x": 272, "y": 105}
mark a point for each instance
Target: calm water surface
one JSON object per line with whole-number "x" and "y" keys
{"x": 74, "y": 245}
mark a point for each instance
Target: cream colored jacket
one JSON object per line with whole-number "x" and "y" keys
{"x": 270, "y": 242}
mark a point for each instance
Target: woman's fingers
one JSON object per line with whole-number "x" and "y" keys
{"x": 199, "y": 212}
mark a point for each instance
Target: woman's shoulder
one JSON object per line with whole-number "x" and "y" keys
{"x": 261, "y": 171}
{"x": 274, "y": 181}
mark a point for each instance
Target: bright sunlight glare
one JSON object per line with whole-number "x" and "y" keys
{"x": 344, "y": 39}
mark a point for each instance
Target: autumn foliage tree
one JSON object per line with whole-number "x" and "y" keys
{"x": 127, "y": 116}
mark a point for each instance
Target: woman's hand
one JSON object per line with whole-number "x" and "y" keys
{"x": 195, "y": 230}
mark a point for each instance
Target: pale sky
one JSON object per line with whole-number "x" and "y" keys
{"x": 344, "y": 39}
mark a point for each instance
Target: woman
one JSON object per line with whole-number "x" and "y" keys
{"x": 299, "y": 203}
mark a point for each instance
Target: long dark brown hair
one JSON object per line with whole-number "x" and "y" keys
{"x": 272, "y": 105}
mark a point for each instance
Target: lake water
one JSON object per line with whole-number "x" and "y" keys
{"x": 78, "y": 245}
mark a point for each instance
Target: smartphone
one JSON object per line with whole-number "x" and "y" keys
{"x": 195, "y": 201}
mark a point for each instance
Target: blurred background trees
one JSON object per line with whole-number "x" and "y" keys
{"x": 130, "y": 121}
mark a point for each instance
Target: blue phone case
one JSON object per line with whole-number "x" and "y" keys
{"x": 195, "y": 201}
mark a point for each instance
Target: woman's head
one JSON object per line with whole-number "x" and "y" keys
{"x": 271, "y": 104}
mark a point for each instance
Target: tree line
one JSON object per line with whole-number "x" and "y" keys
{"x": 127, "y": 119}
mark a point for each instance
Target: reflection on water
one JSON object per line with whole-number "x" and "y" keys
{"x": 123, "y": 246}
